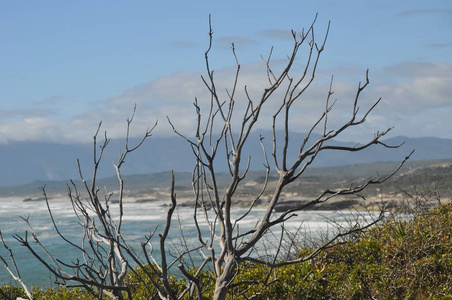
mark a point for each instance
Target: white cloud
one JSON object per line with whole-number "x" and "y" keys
{"x": 422, "y": 86}
{"x": 239, "y": 41}
{"x": 416, "y": 99}
{"x": 15, "y": 114}
{"x": 414, "y": 12}
{"x": 278, "y": 34}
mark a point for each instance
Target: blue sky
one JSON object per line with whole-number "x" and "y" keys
{"x": 66, "y": 65}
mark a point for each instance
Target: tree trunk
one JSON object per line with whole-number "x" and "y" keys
{"x": 222, "y": 282}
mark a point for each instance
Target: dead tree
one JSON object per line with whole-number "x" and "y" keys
{"x": 103, "y": 263}
{"x": 13, "y": 271}
{"x": 226, "y": 247}
{"x": 107, "y": 256}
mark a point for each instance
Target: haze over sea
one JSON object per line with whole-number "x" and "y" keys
{"x": 139, "y": 220}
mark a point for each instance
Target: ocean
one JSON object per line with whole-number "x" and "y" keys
{"x": 139, "y": 220}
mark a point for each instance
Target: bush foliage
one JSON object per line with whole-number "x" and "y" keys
{"x": 395, "y": 260}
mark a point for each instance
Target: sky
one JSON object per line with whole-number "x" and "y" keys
{"x": 67, "y": 65}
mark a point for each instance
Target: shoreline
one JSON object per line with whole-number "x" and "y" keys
{"x": 289, "y": 200}
{"x": 283, "y": 205}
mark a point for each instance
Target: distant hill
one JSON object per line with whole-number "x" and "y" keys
{"x": 425, "y": 173}
{"x": 24, "y": 162}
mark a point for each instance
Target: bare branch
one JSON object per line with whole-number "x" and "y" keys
{"x": 219, "y": 140}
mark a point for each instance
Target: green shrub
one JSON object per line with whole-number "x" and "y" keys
{"x": 140, "y": 282}
{"x": 62, "y": 293}
{"x": 395, "y": 260}
{"x": 8, "y": 291}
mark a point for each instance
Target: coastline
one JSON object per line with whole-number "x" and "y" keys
{"x": 185, "y": 198}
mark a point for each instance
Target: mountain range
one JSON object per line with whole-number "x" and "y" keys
{"x": 23, "y": 162}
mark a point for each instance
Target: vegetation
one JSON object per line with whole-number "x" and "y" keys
{"x": 405, "y": 259}
{"x": 221, "y": 136}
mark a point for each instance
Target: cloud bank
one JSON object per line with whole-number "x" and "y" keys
{"x": 415, "y": 99}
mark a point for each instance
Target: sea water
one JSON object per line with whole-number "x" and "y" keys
{"x": 139, "y": 220}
